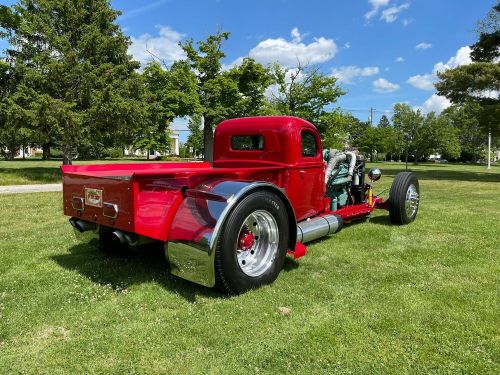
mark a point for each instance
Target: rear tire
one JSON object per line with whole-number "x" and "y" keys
{"x": 404, "y": 198}
{"x": 253, "y": 243}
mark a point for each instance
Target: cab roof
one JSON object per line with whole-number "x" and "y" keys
{"x": 248, "y": 123}
{"x": 282, "y": 139}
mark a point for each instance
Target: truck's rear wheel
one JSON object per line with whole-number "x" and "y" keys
{"x": 404, "y": 198}
{"x": 252, "y": 247}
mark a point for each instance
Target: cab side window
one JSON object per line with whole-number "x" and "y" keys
{"x": 309, "y": 145}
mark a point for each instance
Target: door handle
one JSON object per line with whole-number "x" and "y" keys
{"x": 302, "y": 173}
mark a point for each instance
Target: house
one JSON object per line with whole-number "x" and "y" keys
{"x": 28, "y": 152}
{"x": 174, "y": 148}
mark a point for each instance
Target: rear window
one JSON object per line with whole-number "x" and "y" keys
{"x": 309, "y": 146}
{"x": 247, "y": 142}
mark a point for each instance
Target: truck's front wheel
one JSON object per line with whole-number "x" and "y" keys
{"x": 252, "y": 247}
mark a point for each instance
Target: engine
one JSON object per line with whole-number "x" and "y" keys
{"x": 344, "y": 178}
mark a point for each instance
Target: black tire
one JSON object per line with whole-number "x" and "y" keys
{"x": 398, "y": 198}
{"x": 230, "y": 278}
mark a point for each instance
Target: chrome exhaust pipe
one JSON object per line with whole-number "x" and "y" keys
{"x": 310, "y": 230}
{"x": 82, "y": 225}
{"x": 120, "y": 236}
{"x": 131, "y": 239}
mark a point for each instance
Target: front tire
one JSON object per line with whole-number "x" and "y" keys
{"x": 253, "y": 243}
{"x": 404, "y": 198}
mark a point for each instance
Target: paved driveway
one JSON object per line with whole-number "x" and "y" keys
{"x": 20, "y": 189}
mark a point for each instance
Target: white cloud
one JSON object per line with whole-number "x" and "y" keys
{"x": 426, "y": 81}
{"x": 400, "y": 60}
{"x": 384, "y": 86}
{"x": 295, "y": 34}
{"x": 436, "y": 104}
{"x": 423, "y": 45}
{"x": 164, "y": 46}
{"x": 288, "y": 53}
{"x": 390, "y": 15}
{"x": 376, "y": 5}
{"x": 462, "y": 57}
{"x": 346, "y": 74}
{"x": 423, "y": 81}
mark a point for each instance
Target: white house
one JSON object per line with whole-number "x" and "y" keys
{"x": 174, "y": 148}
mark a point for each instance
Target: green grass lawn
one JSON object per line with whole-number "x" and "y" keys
{"x": 374, "y": 298}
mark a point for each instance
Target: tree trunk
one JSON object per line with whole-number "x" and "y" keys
{"x": 11, "y": 154}
{"x": 24, "y": 153}
{"x": 208, "y": 141}
{"x": 67, "y": 155}
{"x": 46, "y": 151}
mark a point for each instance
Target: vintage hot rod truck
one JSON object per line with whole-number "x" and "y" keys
{"x": 230, "y": 223}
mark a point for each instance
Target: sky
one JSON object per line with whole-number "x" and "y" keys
{"x": 382, "y": 51}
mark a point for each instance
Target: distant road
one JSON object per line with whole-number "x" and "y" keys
{"x": 21, "y": 189}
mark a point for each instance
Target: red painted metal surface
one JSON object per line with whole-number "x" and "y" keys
{"x": 148, "y": 194}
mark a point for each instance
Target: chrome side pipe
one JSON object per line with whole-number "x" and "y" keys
{"x": 310, "y": 230}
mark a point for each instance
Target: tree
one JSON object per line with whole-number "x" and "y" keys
{"x": 216, "y": 91}
{"x": 14, "y": 118}
{"x": 336, "y": 125}
{"x": 222, "y": 93}
{"x": 465, "y": 119}
{"x": 409, "y": 123}
{"x": 304, "y": 92}
{"x": 384, "y": 122}
{"x": 438, "y": 136}
{"x": 253, "y": 79}
{"x": 479, "y": 82}
{"x": 73, "y": 55}
{"x": 195, "y": 138}
{"x": 372, "y": 142}
{"x": 170, "y": 92}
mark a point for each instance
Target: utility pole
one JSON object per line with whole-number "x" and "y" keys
{"x": 371, "y": 116}
{"x": 489, "y": 148}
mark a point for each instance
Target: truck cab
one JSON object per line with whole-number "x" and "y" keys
{"x": 290, "y": 143}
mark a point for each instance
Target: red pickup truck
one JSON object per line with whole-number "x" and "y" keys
{"x": 270, "y": 189}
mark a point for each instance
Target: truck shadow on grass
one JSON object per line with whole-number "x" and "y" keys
{"x": 120, "y": 270}
{"x": 146, "y": 264}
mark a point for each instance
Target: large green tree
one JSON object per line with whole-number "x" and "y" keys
{"x": 305, "y": 92}
{"x": 479, "y": 82}
{"x": 170, "y": 92}
{"x": 425, "y": 134}
{"x": 465, "y": 119}
{"x": 73, "y": 56}
{"x": 223, "y": 94}
{"x": 336, "y": 128}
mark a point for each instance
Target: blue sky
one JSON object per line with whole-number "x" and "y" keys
{"x": 383, "y": 51}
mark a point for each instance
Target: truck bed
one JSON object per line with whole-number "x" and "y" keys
{"x": 136, "y": 197}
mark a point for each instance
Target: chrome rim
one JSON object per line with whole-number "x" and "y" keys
{"x": 412, "y": 201}
{"x": 257, "y": 243}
